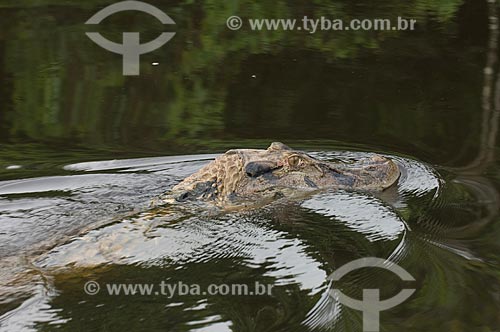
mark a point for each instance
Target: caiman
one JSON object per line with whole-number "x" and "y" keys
{"x": 245, "y": 176}
{"x": 241, "y": 178}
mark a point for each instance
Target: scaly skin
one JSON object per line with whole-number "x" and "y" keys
{"x": 249, "y": 175}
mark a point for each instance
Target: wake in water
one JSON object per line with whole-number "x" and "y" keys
{"x": 283, "y": 239}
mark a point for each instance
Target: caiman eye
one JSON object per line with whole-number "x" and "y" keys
{"x": 295, "y": 162}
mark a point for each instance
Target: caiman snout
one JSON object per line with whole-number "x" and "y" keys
{"x": 250, "y": 174}
{"x": 256, "y": 168}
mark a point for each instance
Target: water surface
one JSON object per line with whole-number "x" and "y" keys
{"x": 84, "y": 150}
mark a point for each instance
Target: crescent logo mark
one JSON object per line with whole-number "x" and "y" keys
{"x": 131, "y": 48}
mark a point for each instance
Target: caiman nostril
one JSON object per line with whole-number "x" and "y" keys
{"x": 256, "y": 168}
{"x": 182, "y": 197}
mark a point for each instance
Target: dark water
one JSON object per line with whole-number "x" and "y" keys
{"x": 81, "y": 146}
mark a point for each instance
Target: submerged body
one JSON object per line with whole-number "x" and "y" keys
{"x": 246, "y": 176}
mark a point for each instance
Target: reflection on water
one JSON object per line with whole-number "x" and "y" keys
{"x": 359, "y": 212}
{"x": 293, "y": 246}
{"x": 83, "y": 150}
{"x": 379, "y": 88}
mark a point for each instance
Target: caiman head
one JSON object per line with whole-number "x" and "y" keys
{"x": 248, "y": 175}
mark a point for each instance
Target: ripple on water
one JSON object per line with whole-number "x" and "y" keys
{"x": 282, "y": 252}
{"x": 36, "y": 212}
{"x": 192, "y": 241}
{"x": 361, "y": 212}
